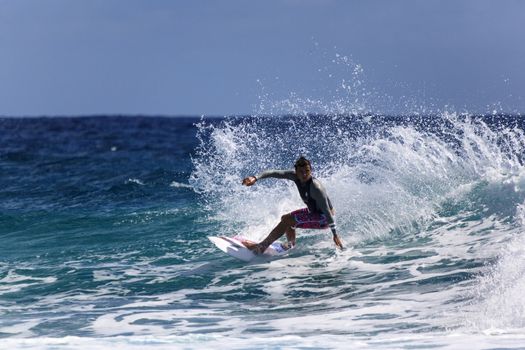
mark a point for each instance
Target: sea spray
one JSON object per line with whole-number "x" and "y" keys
{"x": 382, "y": 175}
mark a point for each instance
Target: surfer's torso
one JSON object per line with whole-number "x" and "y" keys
{"x": 312, "y": 192}
{"x": 305, "y": 191}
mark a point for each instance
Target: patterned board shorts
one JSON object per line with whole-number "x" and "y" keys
{"x": 306, "y": 219}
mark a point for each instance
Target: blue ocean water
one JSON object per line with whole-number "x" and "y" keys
{"x": 103, "y": 226}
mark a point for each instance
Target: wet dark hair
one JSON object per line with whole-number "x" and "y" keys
{"x": 301, "y": 162}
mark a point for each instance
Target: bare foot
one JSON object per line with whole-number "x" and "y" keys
{"x": 254, "y": 247}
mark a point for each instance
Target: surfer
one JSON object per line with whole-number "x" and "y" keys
{"x": 319, "y": 213}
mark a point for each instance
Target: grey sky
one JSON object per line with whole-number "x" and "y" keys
{"x": 72, "y": 57}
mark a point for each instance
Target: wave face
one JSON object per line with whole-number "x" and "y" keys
{"x": 104, "y": 224}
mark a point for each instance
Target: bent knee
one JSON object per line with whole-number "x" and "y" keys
{"x": 288, "y": 219}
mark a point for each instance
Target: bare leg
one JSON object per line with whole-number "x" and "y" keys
{"x": 286, "y": 224}
{"x": 290, "y": 235}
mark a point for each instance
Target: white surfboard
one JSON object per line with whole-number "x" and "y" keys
{"x": 233, "y": 246}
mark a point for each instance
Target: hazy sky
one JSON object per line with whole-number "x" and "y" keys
{"x": 73, "y": 57}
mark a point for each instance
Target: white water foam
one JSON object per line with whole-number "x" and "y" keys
{"x": 135, "y": 181}
{"x": 176, "y": 184}
{"x": 498, "y": 304}
{"x": 449, "y": 341}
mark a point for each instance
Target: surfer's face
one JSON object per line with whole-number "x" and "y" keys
{"x": 303, "y": 173}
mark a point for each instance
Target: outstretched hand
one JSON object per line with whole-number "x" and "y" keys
{"x": 337, "y": 241}
{"x": 249, "y": 181}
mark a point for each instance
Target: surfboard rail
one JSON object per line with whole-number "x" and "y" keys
{"x": 234, "y": 246}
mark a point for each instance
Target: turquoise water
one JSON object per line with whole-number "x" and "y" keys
{"x": 103, "y": 226}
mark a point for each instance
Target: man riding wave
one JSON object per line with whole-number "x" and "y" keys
{"x": 319, "y": 213}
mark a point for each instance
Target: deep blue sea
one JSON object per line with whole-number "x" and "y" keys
{"x": 103, "y": 226}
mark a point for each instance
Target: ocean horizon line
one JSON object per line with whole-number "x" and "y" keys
{"x": 284, "y": 115}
